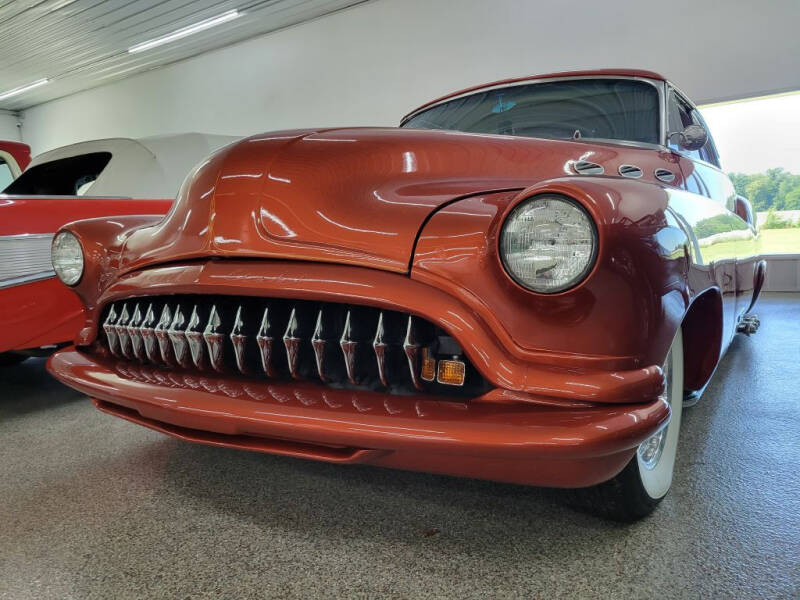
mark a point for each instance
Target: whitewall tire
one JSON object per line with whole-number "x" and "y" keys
{"x": 647, "y": 478}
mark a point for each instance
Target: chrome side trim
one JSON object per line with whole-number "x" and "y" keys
{"x": 25, "y": 258}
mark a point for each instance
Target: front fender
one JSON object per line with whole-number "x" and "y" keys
{"x": 103, "y": 240}
{"x": 623, "y": 315}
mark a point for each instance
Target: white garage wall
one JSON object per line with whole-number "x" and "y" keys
{"x": 370, "y": 64}
{"x": 8, "y": 127}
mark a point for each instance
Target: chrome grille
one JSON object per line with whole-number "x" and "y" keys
{"x": 340, "y": 345}
{"x": 25, "y": 258}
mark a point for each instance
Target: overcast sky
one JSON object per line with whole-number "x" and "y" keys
{"x": 757, "y": 135}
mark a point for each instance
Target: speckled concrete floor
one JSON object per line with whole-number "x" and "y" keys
{"x": 95, "y": 507}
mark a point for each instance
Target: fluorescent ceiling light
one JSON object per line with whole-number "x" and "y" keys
{"x": 60, "y": 4}
{"x": 185, "y": 31}
{"x": 22, "y": 89}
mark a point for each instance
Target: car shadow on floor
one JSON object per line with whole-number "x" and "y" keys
{"x": 27, "y": 387}
{"x": 274, "y": 492}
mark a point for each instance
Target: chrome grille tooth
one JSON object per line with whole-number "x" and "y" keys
{"x": 266, "y": 342}
{"x": 111, "y": 332}
{"x": 137, "y": 343}
{"x": 162, "y": 336}
{"x": 413, "y": 349}
{"x": 292, "y": 341}
{"x": 215, "y": 340}
{"x": 239, "y": 341}
{"x": 177, "y": 335}
{"x": 380, "y": 344}
{"x": 318, "y": 342}
{"x": 122, "y": 332}
{"x": 349, "y": 346}
{"x": 147, "y": 331}
{"x": 194, "y": 337}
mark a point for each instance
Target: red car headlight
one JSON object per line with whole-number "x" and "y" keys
{"x": 548, "y": 243}
{"x": 67, "y": 256}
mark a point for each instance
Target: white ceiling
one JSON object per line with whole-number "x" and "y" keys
{"x": 79, "y": 44}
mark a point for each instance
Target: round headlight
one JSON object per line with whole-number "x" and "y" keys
{"x": 67, "y": 256}
{"x": 548, "y": 244}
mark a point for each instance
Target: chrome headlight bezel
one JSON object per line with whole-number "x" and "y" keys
{"x": 67, "y": 258}
{"x": 579, "y": 275}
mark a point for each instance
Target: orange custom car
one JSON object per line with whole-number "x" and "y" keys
{"x": 99, "y": 178}
{"x": 524, "y": 283}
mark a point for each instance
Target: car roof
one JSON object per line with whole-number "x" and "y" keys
{"x": 585, "y": 73}
{"x": 150, "y": 167}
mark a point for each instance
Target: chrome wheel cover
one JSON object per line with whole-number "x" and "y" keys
{"x": 651, "y": 450}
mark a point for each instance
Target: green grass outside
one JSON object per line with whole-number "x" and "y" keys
{"x": 771, "y": 241}
{"x": 780, "y": 241}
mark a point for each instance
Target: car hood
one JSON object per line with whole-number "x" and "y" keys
{"x": 352, "y": 196}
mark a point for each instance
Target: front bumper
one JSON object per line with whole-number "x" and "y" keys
{"x": 488, "y": 437}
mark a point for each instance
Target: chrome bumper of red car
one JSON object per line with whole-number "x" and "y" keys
{"x": 537, "y": 444}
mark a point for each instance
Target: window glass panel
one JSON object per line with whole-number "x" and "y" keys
{"x": 709, "y": 151}
{"x": 679, "y": 117}
{"x": 610, "y": 109}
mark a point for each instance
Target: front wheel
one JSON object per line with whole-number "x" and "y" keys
{"x": 646, "y": 479}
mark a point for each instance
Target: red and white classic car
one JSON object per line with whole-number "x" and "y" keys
{"x": 521, "y": 283}
{"x": 100, "y": 178}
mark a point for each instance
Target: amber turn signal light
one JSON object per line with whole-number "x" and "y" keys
{"x": 428, "y": 365}
{"x": 451, "y": 372}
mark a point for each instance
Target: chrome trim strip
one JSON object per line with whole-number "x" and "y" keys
{"x": 27, "y": 236}
{"x": 26, "y": 279}
{"x": 62, "y": 196}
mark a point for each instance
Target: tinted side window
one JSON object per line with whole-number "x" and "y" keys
{"x": 709, "y": 151}
{"x": 64, "y": 177}
{"x": 681, "y": 115}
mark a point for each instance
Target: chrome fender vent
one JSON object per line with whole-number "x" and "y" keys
{"x": 631, "y": 171}
{"x": 585, "y": 167}
{"x": 665, "y": 175}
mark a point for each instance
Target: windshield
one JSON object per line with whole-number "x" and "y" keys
{"x": 612, "y": 109}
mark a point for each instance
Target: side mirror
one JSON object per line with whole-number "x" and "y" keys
{"x": 744, "y": 210}
{"x": 693, "y": 137}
